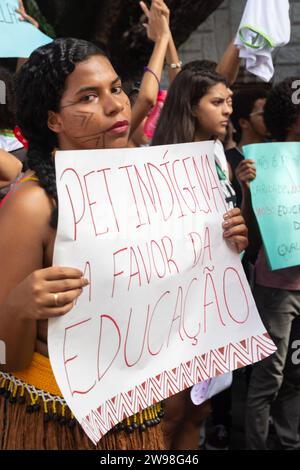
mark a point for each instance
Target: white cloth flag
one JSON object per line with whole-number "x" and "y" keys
{"x": 265, "y": 25}
{"x": 18, "y": 38}
{"x": 168, "y": 303}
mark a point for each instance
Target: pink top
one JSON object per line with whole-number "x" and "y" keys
{"x": 288, "y": 278}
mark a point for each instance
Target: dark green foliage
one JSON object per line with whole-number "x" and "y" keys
{"x": 116, "y": 25}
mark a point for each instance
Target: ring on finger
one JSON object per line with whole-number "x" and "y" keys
{"x": 56, "y": 299}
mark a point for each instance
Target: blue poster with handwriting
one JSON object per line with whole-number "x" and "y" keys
{"x": 276, "y": 200}
{"x": 17, "y": 38}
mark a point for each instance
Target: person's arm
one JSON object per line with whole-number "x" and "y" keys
{"x": 172, "y": 59}
{"x": 10, "y": 168}
{"x": 158, "y": 31}
{"x": 24, "y": 17}
{"x": 229, "y": 65}
{"x": 27, "y": 292}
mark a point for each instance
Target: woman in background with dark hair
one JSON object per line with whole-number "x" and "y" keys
{"x": 197, "y": 108}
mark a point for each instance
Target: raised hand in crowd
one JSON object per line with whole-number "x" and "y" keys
{"x": 172, "y": 60}
{"x": 24, "y": 16}
{"x": 158, "y": 31}
{"x": 158, "y": 19}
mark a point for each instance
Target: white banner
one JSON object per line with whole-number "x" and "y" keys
{"x": 168, "y": 303}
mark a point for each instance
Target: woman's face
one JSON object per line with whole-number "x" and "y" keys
{"x": 94, "y": 110}
{"x": 256, "y": 118}
{"x": 213, "y": 111}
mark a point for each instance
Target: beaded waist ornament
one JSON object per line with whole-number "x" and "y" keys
{"x": 36, "y": 388}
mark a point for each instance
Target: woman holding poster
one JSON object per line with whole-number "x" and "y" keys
{"x": 69, "y": 97}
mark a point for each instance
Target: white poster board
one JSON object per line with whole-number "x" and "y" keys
{"x": 168, "y": 303}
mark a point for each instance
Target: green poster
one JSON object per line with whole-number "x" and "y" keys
{"x": 18, "y": 38}
{"x": 276, "y": 200}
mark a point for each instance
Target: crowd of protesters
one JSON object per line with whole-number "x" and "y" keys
{"x": 199, "y": 105}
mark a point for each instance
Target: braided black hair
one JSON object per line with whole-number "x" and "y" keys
{"x": 281, "y": 111}
{"x": 39, "y": 88}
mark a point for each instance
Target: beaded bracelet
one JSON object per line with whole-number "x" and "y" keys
{"x": 147, "y": 69}
{"x": 176, "y": 65}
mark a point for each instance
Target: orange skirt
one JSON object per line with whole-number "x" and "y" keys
{"x": 34, "y": 416}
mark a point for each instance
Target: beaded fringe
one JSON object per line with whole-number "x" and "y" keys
{"x": 33, "y": 419}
